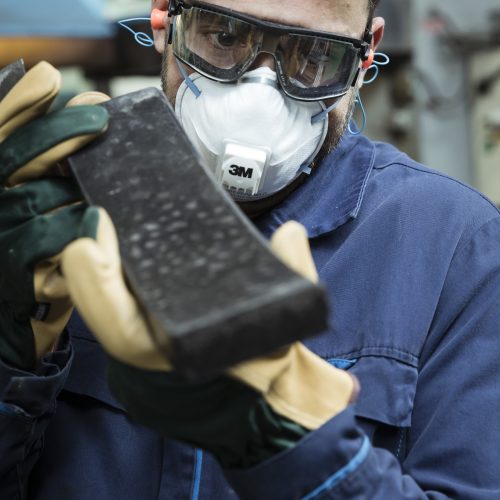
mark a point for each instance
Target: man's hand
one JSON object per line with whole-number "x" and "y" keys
{"x": 258, "y": 409}
{"x": 40, "y": 211}
{"x": 295, "y": 382}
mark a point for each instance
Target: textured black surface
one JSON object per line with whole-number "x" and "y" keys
{"x": 9, "y": 76}
{"x": 198, "y": 266}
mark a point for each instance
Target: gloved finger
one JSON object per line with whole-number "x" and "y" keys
{"x": 30, "y": 152}
{"x": 10, "y": 75}
{"x": 23, "y": 202}
{"x": 50, "y": 284}
{"x": 53, "y": 305}
{"x": 93, "y": 273}
{"x": 38, "y": 239}
{"x": 29, "y": 98}
{"x": 299, "y": 385}
{"x": 83, "y": 99}
{"x": 48, "y": 326}
{"x": 88, "y": 99}
{"x": 291, "y": 245}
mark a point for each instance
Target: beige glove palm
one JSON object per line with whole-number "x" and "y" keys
{"x": 296, "y": 383}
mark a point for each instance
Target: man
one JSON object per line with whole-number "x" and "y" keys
{"x": 409, "y": 257}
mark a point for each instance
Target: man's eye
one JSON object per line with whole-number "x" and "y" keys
{"x": 223, "y": 39}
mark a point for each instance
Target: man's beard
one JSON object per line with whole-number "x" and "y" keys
{"x": 167, "y": 59}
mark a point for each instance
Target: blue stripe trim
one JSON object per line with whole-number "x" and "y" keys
{"x": 342, "y": 364}
{"x": 342, "y": 473}
{"x": 198, "y": 464}
{"x": 11, "y": 410}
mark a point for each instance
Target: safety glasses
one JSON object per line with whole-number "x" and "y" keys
{"x": 222, "y": 45}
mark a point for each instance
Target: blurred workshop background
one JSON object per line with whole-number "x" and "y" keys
{"x": 438, "y": 100}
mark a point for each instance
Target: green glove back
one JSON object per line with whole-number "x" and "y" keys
{"x": 221, "y": 415}
{"x": 40, "y": 212}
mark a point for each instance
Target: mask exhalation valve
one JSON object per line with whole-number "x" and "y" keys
{"x": 241, "y": 169}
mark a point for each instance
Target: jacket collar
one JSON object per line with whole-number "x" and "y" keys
{"x": 333, "y": 193}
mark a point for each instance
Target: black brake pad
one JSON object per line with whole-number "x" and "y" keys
{"x": 212, "y": 289}
{"x": 9, "y": 76}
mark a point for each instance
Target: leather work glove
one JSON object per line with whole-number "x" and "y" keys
{"x": 259, "y": 408}
{"x": 40, "y": 210}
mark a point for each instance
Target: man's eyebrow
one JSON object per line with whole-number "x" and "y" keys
{"x": 280, "y": 23}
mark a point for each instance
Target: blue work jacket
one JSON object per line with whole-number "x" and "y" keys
{"x": 411, "y": 262}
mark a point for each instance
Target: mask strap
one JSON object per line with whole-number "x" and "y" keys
{"x": 191, "y": 85}
{"x": 322, "y": 115}
{"x": 140, "y": 37}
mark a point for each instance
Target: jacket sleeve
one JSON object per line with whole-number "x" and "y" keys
{"x": 453, "y": 444}
{"x": 28, "y": 401}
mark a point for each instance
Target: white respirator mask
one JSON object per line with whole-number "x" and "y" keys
{"x": 254, "y": 138}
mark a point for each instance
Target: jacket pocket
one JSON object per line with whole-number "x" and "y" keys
{"x": 388, "y": 380}
{"x": 388, "y": 388}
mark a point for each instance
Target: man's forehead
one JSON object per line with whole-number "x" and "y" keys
{"x": 338, "y": 16}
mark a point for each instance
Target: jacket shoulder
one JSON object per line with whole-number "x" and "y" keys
{"x": 421, "y": 186}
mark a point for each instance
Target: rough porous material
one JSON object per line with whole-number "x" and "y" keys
{"x": 213, "y": 290}
{"x": 9, "y": 76}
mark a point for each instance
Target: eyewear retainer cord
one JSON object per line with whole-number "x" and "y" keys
{"x": 140, "y": 37}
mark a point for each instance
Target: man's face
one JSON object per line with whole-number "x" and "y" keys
{"x": 345, "y": 17}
